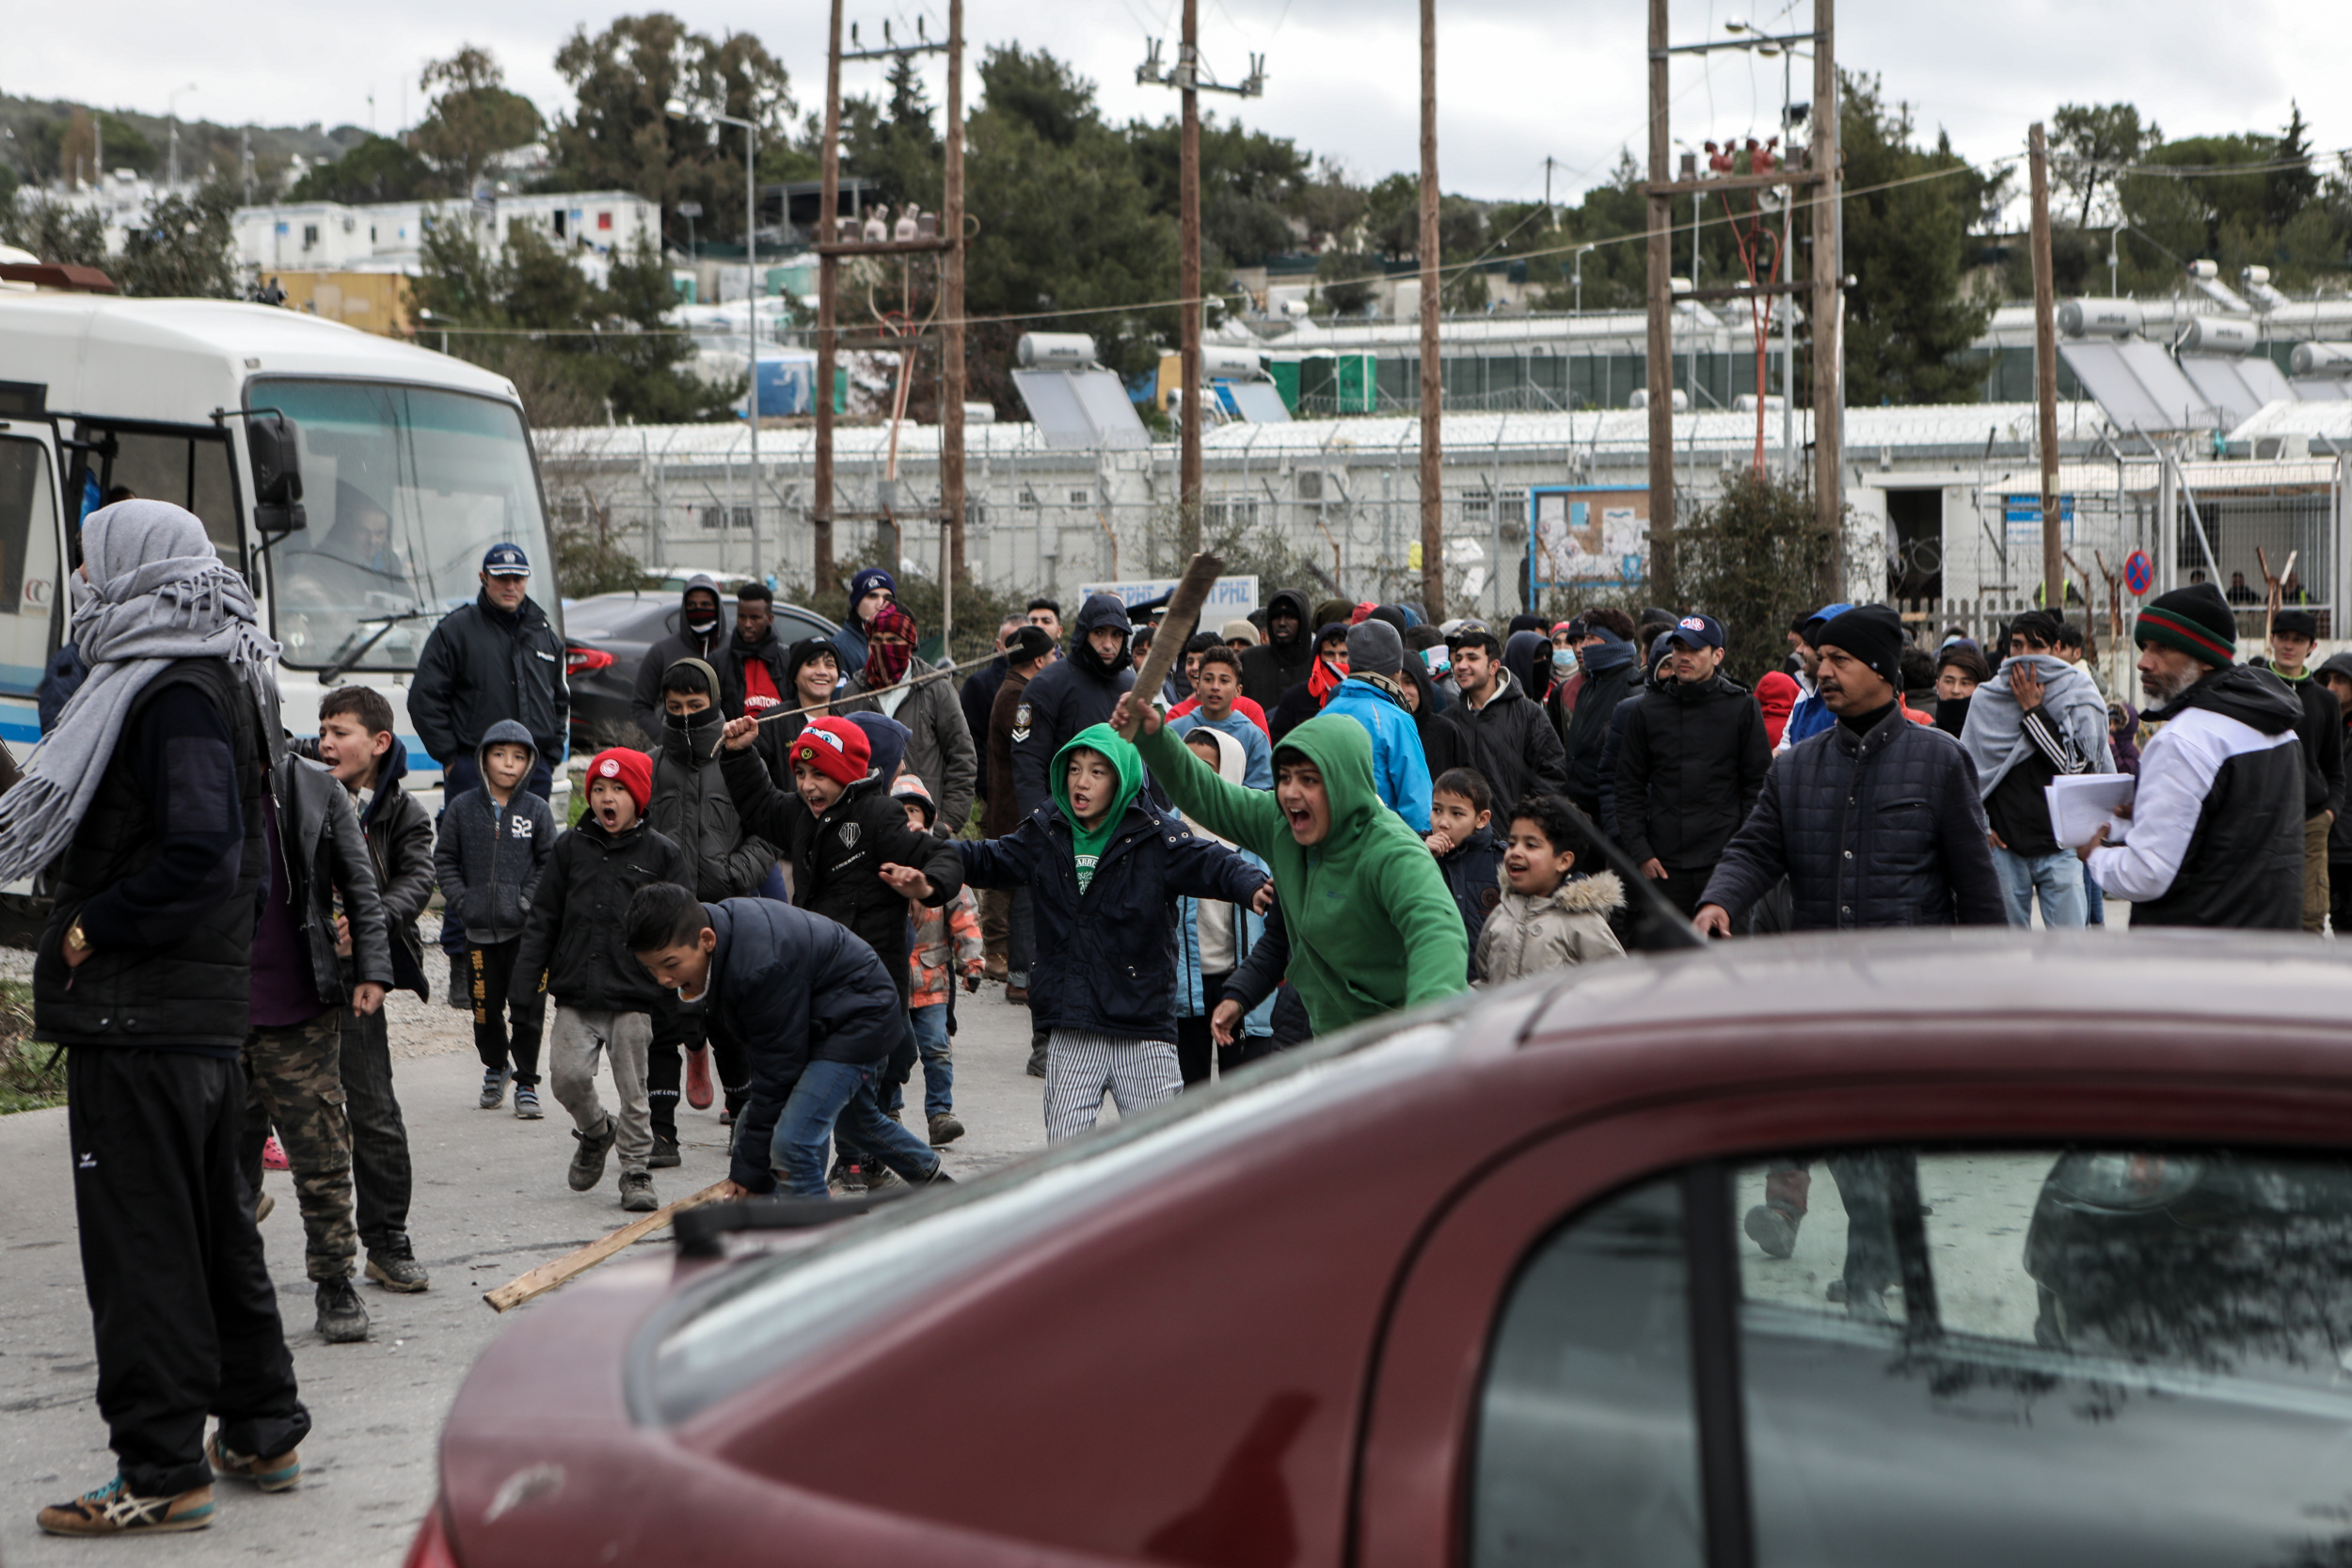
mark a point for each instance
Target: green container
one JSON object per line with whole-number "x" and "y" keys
{"x": 1285, "y": 373}
{"x": 1358, "y": 383}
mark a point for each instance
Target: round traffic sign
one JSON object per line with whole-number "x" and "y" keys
{"x": 2139, "y": 573}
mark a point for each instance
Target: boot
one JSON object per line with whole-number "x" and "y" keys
{"x": 341, "y": 1320}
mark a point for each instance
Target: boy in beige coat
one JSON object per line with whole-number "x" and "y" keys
{"x": 1549, "y": 916}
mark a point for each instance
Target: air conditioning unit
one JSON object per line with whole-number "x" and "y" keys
{"x": 1311, "y": 484}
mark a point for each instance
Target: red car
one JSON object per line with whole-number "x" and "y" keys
{"x": 2069, "y": 1280}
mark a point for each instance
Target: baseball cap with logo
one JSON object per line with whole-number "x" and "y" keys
{"x": 1696, "y": 631}
{"x": 506, "y": 561}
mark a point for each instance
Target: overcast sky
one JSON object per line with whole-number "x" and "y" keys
{"x": 1520, "y": 80}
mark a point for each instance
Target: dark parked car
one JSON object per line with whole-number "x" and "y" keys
{"x": 1470, "y": 1287}
{"x": 605, "y": 639}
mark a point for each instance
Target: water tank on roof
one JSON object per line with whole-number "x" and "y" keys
{"x": 2213, "y": 335}
{"x": 1641, "y": 399}
{"x": 1053, "y": 351}
{"x": 2333, "y": 359}
{"x": 2100, "y": 317}
{"x": 1229, "y": 364}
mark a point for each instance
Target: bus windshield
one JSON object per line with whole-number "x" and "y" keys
{"x": 405, "y": 487}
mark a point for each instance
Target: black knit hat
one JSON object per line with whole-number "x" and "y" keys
{"x": 2296, "y": 623}
{"x": 1871, "y": 633}
{"x": 2197, "y": 619}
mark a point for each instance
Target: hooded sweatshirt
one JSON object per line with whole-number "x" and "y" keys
{"x": 1087, "y": 842}
{"x": 701, "y": 602}
{"x": 1371, "y": 927}
{"x": 1212, "y": 935}
{"x": 1064, "y": 698}
{"x": 693, "y": 810}
{"x": 489, "y": 856}
{"x": 1275, "y": 665}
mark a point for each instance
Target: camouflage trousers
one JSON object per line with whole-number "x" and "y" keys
{"x": 294, "y": 1083}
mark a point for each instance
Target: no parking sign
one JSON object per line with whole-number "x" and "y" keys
{"x": 2139, "y": 573}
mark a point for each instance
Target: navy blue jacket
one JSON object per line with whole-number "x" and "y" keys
{"x": 1470, "y": 875}
{"x": 1106, "y": 960}
{"x": 788, "y": 987}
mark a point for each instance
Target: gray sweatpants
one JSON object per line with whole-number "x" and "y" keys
{"x": 578, "y": 1035}
{"x": 1080, "y": 1065}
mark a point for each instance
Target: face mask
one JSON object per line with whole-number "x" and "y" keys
{"x": 1564, "y": 658}
{"x": 703, "y": 628}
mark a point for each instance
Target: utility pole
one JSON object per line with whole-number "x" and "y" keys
{"x": 1659, "y": 359}
{"x": 1829, "y": 311}
{"x": 951, "y": 314}
{"x": 1431, "y": 366}
{"x": 2046, "y": 378}
{"x": 828, "y": 278}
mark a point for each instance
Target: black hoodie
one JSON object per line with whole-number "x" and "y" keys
{"x": 1064, "y": 698}
{"x": 645, "y": 698}
{"x": 1274, "y": 666}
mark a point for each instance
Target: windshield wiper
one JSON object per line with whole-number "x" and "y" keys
{"x": 347, "y": 656}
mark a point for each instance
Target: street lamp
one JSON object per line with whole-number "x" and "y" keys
{"x": 676, "y": 109}
{"x": 171, "y": 112}
{"x": 690, "y": 211}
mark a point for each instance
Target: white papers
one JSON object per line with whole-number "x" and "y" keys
{"x": 2082, "y": 803}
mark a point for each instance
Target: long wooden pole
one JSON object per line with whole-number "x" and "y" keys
{"x": 951, "y": 369}
{"x": 1828, "y": 334}
{"x": 1432, "y": 366}
{"x": 1188, "y": 285}
{"x": 2045, "y": 377}
{"x": 1659, "y": 347}
{"x": 828, "y": 280}
{"x": 547, "y": 1277}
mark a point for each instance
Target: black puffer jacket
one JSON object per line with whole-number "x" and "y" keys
{"x": 1882, "y": 829}
{"x": 579, "y": 932}
{"x": 482, "y": 665}
{"x": 1689, "y": 768}
{"x": 1064, "y": 698}
{"x": 693, "y": 808}
{"x": 1511, "y": 743}
{"x": 171, "y": 910}
{"x": 1272, "y": 668}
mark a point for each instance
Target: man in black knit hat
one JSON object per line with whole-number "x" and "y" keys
{"x": 2216, "y": 835}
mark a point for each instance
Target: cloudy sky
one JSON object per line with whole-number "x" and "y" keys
{"x": 1520, "y": 80}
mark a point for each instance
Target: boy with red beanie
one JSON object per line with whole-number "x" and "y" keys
{"x": 576, "y": 946}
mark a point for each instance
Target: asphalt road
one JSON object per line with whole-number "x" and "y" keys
{"x": 490, "y": 1202}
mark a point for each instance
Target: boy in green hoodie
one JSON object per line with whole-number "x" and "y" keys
{"x": 1102, "y": 865}
{"x": 1371, "y": 927}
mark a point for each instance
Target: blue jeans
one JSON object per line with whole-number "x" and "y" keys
{"x": 2057, "y": 878}
{"x": 840, "y": 1092}
{"x": 939, "y": 1063}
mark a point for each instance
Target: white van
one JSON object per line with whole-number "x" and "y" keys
{"x": 170, "y": 397}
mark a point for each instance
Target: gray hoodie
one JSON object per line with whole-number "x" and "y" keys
{"x": 488, "y": 856}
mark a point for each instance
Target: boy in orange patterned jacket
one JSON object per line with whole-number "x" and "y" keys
{"x": 933, "y": 971}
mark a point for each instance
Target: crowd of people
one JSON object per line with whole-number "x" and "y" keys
{"x": 1329, "y": 812}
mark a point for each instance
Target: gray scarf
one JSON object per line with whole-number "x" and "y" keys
{"x": 1994, "y": 732}
{"x": 155, "y": 593}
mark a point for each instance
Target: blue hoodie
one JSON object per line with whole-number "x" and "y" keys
{"x": 1400, "y": 767}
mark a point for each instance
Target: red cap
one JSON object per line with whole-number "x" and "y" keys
{"x": 632, "y": 770}
{"x": 836, "y": 747}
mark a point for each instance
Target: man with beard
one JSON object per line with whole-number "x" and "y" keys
{"x": 702, "y": 633}
{"x": 1283, "y": 659}
{"x": 2216, "y": 829}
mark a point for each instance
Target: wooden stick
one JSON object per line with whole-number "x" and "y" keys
{"x": 1176, "y": 627}
{"x": 547, "y": 1277}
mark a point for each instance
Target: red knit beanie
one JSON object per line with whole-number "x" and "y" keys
{"x": 836, "y": 747}
{"x": 632, "y": 770}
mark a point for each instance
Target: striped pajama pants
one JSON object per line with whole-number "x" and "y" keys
{"x": 1080, "y": 1065}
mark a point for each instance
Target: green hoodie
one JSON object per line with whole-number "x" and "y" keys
{"x": 1372, "y": 926}
{"x": 1088, "y": 841}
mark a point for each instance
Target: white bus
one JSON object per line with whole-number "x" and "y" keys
{"x": 411, "y": 463}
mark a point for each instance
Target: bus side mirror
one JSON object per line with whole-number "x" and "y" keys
{"x": 269, "y": 438}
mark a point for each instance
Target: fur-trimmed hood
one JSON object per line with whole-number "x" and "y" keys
{"x": 1595, "y": 895}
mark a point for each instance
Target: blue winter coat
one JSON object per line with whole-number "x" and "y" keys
{"x": 790, "y": 987}
{"x": 1106, "y": 961}
{"x": 1400, "y": 769}
{"x": 1191, "y": 1000}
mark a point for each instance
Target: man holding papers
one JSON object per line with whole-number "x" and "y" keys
{"x": 2039, "y": 718}
{"x": 2215, "y": 835}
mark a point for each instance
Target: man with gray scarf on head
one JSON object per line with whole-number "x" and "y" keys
{"x": 146, "y": 804}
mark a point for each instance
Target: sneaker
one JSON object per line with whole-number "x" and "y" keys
{"x": 588, "y": 1159}
{"x": 637, "y": 1193}
{"x": 341, "y": 1320}
{"x": 1017, "y": 995}
{"x": 494, "y": 1088}
{"x": 879, "y": 1176}
{"x": 274, "y": 1155}
{"x": 278, "y": 1474}
{"x": 394, "y": 1266}
{"x": 946, "y": 1129}
{"x": 698, "y": 1088}
{"x": 848, "y": 1175}
{"x": 726, "y": 1117}
{"x": 664, "y": 1156}
{"x": 460, "y": 983}
{"x": 261, "y": 1206}
{"x": 1772, "y": 1229}
{"x": 527, "y": 1102}
{"x": 1037, "y": 1062}
{"x": 114, "y": 1508}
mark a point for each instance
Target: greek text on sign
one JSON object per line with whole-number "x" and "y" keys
{"x": 1230, "y": 598}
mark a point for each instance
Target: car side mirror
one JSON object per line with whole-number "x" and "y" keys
{"x": 270, "y": 440}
